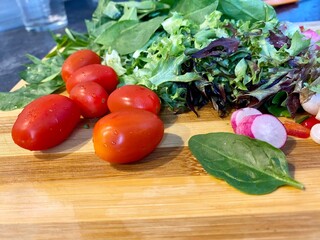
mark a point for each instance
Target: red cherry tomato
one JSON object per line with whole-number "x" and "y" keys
{"x": 134, "y": 96}
{"x": 45, "y": 122}
{"x": 91, "y": 99}
{"x": 296, "y": 129}
{"x": 77, "y": 60}
{"x": 127, "y": 136}
{"x": 310, "y": 122}
{"x": 101, "y": 74}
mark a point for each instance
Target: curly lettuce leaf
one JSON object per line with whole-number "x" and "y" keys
{"x": 151, "y": 42}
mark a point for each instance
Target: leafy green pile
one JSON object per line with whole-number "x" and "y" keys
{"x": 230, "y": 53}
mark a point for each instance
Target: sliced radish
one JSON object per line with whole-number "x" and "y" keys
{"x": 244, "y": 127}
{"x": 315, "y": 133}
{"x": 312, "y": 105}
{"x": 239, "y": 114}
{"x": 264, "y": 127}
{"x": 318, "y": 115}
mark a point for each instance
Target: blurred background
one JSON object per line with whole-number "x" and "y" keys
{"x": 10, "y": 16}
{"x": 16, "y": 42}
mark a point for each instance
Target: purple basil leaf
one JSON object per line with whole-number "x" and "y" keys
{"x": 218, "y": 47}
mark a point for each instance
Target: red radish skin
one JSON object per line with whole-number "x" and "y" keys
{"x": 264, "y": 127}
{"x": 244, "y": 127}
{"x": 239, "y": 114}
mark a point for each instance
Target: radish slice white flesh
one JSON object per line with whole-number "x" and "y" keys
{"x": 318, "y": 115}
{"x": 239, "y": 114}
{"x": 264, "y": 127}
{"x": 315, "y": 133}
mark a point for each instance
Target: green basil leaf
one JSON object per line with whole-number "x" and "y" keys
{"x": 196, "y": 10}
{"x": 128, "y": 36}
{"x": 278, "y": 111}
{"x": 252, "y": 166}
{"x": 42, "y": 70}
{"x": 23, "y": 96}
{"x": 111, "y": 34}
{"x": 247, "y": 10}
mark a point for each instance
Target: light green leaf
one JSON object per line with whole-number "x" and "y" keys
{"x": 196, "y": 10}
{"x": 168, "y": 71}
{"x": 114, "y": 32}
{"x": 298, "y": 44}
{"x": 128, "y": 36}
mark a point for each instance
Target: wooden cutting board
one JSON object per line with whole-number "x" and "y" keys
{"x": 68, "y": 193}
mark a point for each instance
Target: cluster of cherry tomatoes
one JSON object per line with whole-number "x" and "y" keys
{"x": 88, "y": 82}
{"x": 128, "y": 127}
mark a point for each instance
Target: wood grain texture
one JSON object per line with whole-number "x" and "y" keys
{"x": 68, "y": 193}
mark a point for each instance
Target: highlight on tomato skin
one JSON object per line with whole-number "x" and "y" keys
{"x": 101, "y": 74}
{"x": 296, "y": 130}
{"x": 91, "y": 98}
{"x": 310, "y": 122}
{"x": 127, "y": 136}
{"x": 77, "y": 60}
{"x": 134, "y": 96}
{"x": 45, "y": 122}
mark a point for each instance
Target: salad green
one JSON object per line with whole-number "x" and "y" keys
{"x": 230, "y": 53}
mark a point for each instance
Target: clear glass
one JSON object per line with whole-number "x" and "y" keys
{"x": 43, "y": 15}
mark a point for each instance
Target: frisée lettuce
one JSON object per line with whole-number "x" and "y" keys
{"x": 230, "y": 53}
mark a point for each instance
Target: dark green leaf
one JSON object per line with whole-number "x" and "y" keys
{"x": 280, "y": 98}
{"x": 247, "y": 10}
{"x": 272, "y": 86}
{"x": 128, "y": 36}
{"x": 196, "y": 10}
{"x": 42, "y": 70}
{"x": 42, "y": 77}
{"x": 21, "y": 97}
{"x": 250, "y": 165}
{"x": 171, "y": 3}
{"x": 68, "y": 43}
{"x": 278, "y": 111}
{"x": 278, "y": 105}
{"x": 111, "y": 34}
